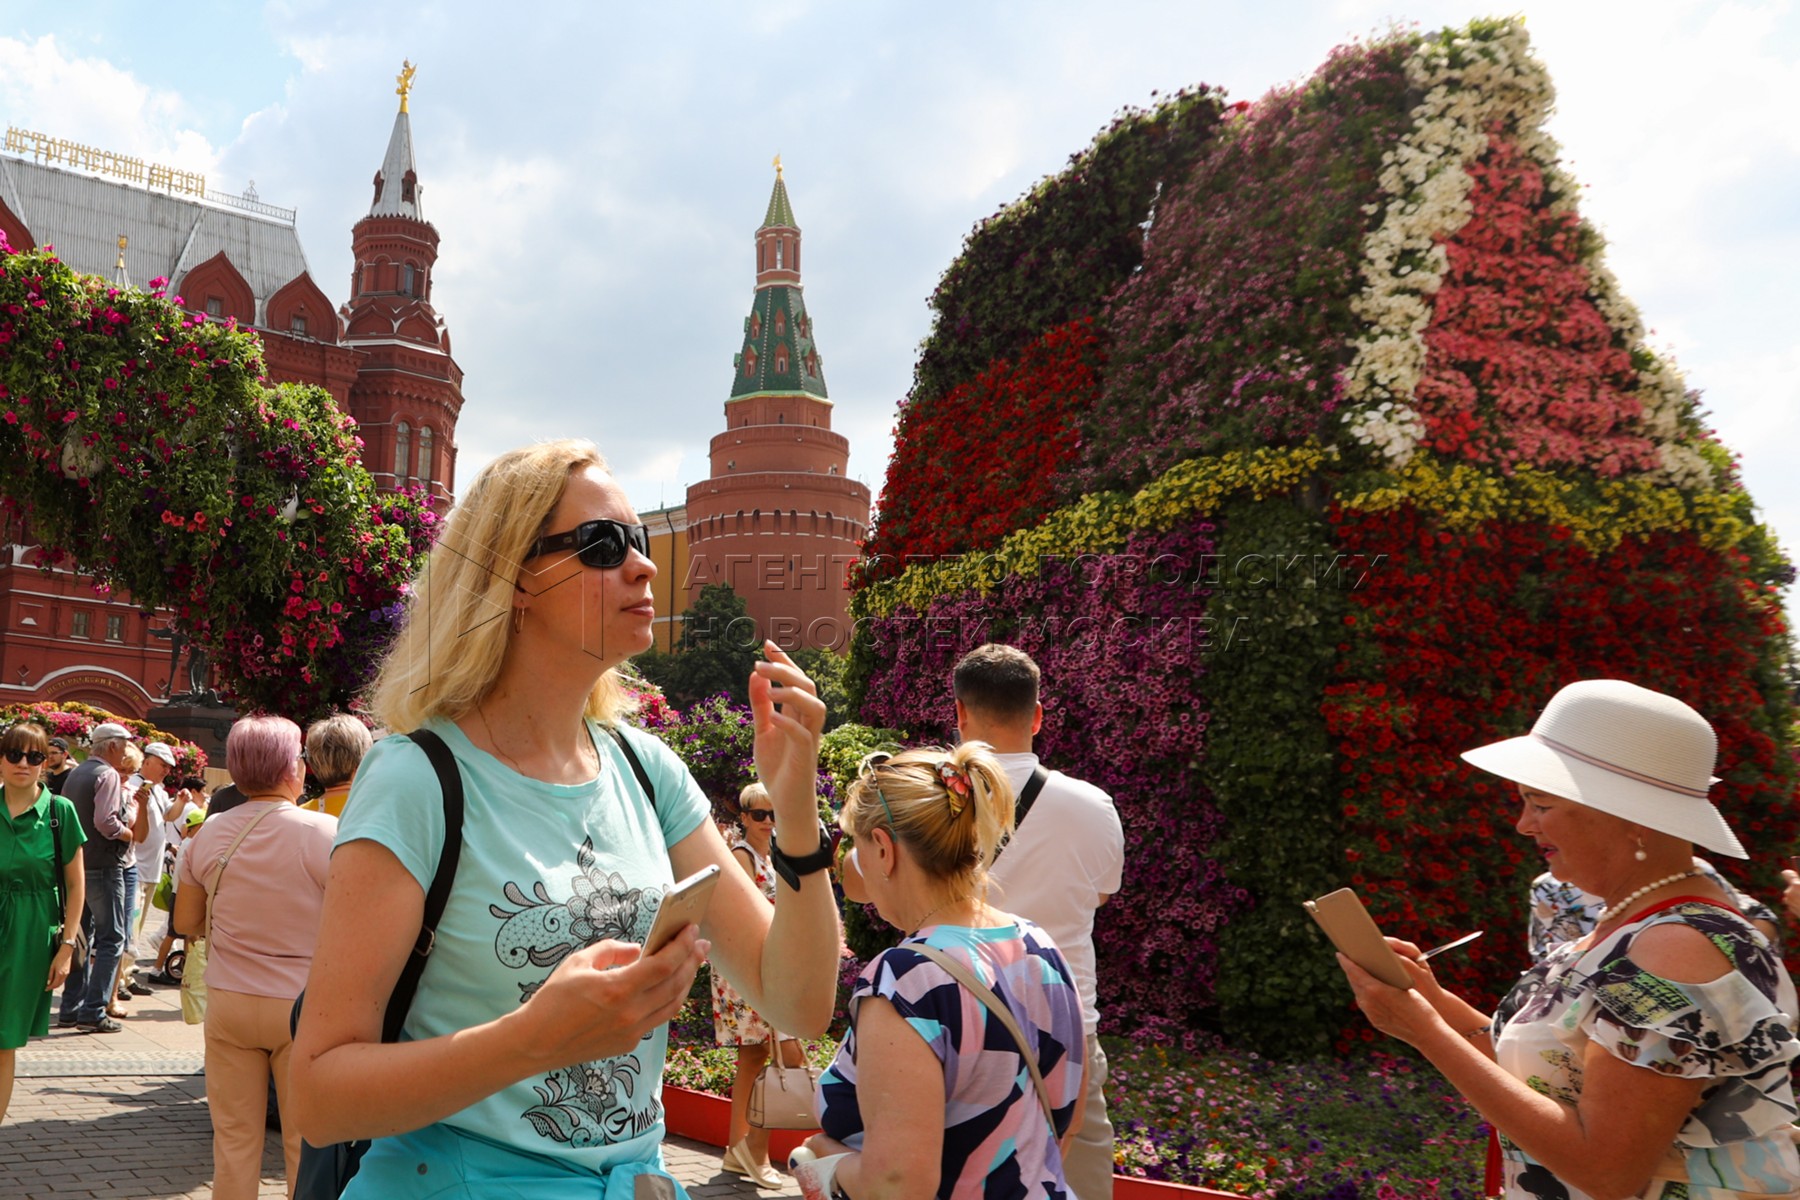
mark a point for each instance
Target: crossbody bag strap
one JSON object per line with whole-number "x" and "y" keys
{"x": 212, "y": 889}
{"x": 637, "y": 765}
{"x": 1022, "y": 806}
{"x": 438, "y": 895}
{"x": 57, "y": 866}
{"x": 985, "y": 994}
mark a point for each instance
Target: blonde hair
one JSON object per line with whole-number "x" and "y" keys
{"x": 752, "y": 791}
{"x": 134, "y": 759}
{"x": 459, "y": 619}
{"x": 951, "y": 836}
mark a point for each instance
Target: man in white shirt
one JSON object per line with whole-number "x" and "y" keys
{"x": 1064, "y": 860}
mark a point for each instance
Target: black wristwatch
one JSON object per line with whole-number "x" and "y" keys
{"x": 791, "y": 868}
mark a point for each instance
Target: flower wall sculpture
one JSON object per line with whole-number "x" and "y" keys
{"x": 1362, "y": 460}
{"x": 149, "y": 450}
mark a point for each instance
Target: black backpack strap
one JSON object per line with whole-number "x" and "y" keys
{"x": 637, "y": 766}
{"x": 1028, "y": 794}
{"x": 450, "y": 780}
{"x": 436, "y": 897}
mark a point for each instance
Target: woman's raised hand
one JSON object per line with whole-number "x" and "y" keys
{"x": 790, "y": 718}
{"x": 601, "y": 1000}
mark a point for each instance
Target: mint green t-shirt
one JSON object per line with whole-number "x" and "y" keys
{"x": 546, "y": 869}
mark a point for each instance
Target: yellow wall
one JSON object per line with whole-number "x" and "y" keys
{"x": 669, "y": 551}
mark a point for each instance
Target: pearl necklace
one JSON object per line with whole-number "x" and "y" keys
{"x": 1625, "y": 904}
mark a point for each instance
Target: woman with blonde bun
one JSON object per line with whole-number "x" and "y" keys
{"x": 930, "y": 1093}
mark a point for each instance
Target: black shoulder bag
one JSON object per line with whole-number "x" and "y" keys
{"x": 326, "y": 1170}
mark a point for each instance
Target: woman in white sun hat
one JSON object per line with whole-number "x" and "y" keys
{"x": 1651, "y": 1057}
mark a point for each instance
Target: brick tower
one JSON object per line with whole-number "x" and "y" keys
{"x": 778, "y": 520}
{"x": 408, "y": 390}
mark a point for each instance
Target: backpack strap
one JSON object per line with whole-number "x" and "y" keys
{"x": 637, "y": 765}
{"x": 449, "y": 777}
{"x": 438, "y": 895}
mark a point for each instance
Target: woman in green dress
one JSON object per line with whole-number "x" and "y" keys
{"x": 37, "y": 942}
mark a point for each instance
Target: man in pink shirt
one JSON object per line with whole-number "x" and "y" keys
{"x": 107, "y": 815}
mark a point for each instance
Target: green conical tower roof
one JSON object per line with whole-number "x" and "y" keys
{"x": 778, "y": 353}
{"x": 780, "y": 213}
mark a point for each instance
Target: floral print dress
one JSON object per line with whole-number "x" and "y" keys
{"x": 1736, "y": 1031}
{"x": 735, "y": 1023}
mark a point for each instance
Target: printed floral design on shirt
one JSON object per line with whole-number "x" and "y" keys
{"x": 585, "y": 1104}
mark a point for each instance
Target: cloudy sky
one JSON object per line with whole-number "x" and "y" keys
{"x": 596, "y": 171}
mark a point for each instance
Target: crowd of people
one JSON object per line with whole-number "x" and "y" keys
{"x": 439, "y": 959}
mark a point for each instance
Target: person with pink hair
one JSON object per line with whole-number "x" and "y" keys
{"x": 253, "y": 884}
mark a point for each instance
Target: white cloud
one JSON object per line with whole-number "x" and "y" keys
{"x": 91, "y": 101}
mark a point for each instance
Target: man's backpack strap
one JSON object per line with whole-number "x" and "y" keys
{"x": 637, "y": 765}
{"x": 450, "y": 780}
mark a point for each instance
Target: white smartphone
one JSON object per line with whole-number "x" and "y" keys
{"x": 682, "y": 905}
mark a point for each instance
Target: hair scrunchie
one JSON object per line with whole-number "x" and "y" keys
{"x": 956, "y": 786}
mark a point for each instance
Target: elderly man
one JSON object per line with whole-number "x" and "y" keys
{"x": 107, "y": 815}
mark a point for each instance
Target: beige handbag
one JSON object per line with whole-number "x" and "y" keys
{"x": 782, "y": 1097}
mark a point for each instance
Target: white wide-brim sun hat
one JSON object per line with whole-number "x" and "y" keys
{"x": 1639, "y": 755}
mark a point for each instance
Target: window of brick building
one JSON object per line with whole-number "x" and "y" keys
{"x": 79, "y": 626}
{"x": 115, "y": 629}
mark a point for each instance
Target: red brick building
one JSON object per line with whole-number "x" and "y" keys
{"x": 384, "y": 356}
{"x": 778, "y": 520}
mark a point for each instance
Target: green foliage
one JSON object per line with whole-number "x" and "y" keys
{"x": 1055, "y": 254}
{"x": 1269, "y": 768}
{"x": 827, "y": 669}
{"x": 147, "y": 448}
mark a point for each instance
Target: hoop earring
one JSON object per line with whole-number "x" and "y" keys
{"x": 1639, "y": 853}
{"x": 518, "y": 619}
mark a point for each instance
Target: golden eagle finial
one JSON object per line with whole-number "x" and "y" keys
{"x": 404, "y": 79}
{"x": 777, "y": 163}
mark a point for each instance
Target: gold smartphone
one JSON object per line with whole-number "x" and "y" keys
{"x": 1354, "y": 932}
{"x": 682, "y": 905}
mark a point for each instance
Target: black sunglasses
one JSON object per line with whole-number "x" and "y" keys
{"x": 34, "y": 757}
{"x": 602, "y": 543}
{"x": 759, "y": 814}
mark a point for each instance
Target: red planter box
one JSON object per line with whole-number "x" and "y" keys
{"x": 707, "y": 1118}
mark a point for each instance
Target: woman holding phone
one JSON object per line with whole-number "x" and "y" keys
{"x": 533, "y": 1051}
{"x": 1651, "y": 1056}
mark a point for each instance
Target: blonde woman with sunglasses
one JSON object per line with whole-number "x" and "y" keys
{"x": 531, "y": 1058}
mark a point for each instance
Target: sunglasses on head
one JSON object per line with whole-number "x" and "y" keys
{"x": 34, "y": 757}
{"x": 759, "y": 814}
{"x": 601, "y": 543}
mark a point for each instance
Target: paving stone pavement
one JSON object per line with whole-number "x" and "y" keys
{"x": 123, "y": 1117}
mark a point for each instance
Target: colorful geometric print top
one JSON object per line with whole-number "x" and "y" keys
{"x": 1736, "y": 1030}
{"x": 1562, "y": 912}
{"x": 997, "y": 1144}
